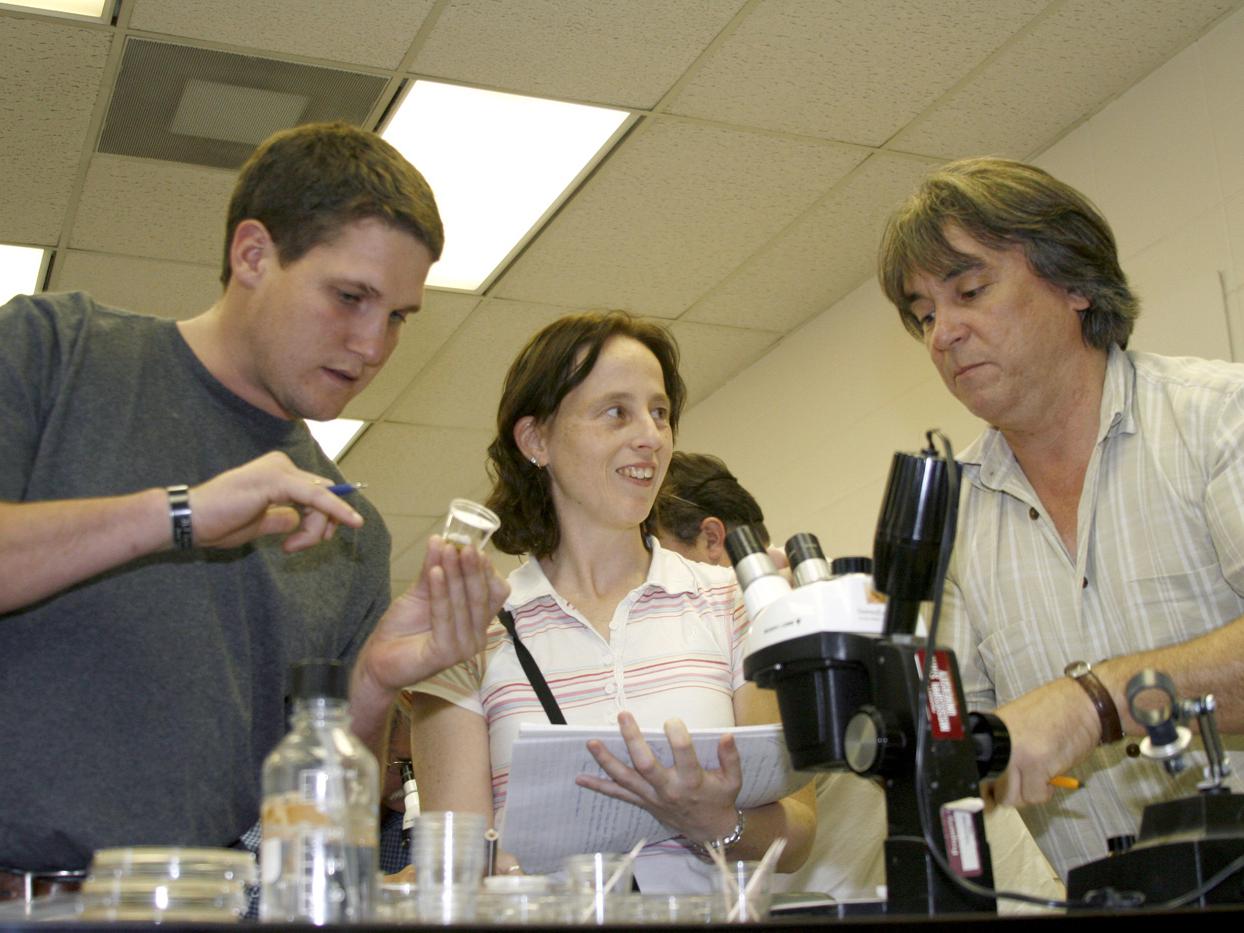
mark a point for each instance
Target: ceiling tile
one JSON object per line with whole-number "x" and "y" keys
{"x": 416, "y": 470}
{"x": 845, "y": 70}
{"x": 671, "y": 214}
{"x": 51, "y": 74}
{"x": 409, "y": 532}
{"x": 406, "y": 566}
{"x": 625, "y": 54}
{"x": 462, "y": 385}
{"x": 149, "y": 286}
{"x": 405, "y": 530}
{"x": 161, "y": 210}
{"x": 826, "y": 254}
{"x": 375, "y": 33}
{"x": 1064, "y": 68}
{"x": 711, "y": 355}
{"x": 423, "y": 335}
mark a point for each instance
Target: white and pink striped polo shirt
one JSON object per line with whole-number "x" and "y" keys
{"x": 675, "y": 651}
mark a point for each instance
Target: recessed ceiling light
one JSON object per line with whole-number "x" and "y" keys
{"x": 498, "y": 163}
{"x": 335, "y": 437}
{"x": 85, "y": 9}
{"x": 21, "y": 270}
{"x": 233, "y": 113}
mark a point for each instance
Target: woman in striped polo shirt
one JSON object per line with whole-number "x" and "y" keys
{"x": 625, "y": 632}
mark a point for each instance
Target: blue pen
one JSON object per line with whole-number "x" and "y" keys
{"x": 344, "y": 489}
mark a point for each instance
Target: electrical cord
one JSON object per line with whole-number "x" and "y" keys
{"x": 1103, "y": 898}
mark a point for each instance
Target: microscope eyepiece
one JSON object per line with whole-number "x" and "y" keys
{"x": 807, "y": 560}
{"x": 741, "y": 542}
{"x": 842, "y": 566}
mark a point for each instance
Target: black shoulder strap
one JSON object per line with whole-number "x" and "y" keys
{"x": 532, "y": 670}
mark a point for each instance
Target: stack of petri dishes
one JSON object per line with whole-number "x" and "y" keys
{"x": 163, "y": 884}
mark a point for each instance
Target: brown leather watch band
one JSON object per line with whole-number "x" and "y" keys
{"x": 1111, "y": 726}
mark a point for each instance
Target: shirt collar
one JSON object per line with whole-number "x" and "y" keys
{"x": 1118, "y": 414}
{"x": 666, "y": 571}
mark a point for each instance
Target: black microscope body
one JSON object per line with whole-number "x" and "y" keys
{"x": 856, "y": 701}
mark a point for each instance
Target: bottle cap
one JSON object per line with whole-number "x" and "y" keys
{"x": 320, "y": 678}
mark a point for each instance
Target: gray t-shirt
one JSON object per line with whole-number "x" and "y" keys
{"x": 139, "y": 705}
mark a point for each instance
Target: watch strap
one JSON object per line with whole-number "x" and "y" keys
{"x": 1107, "y": 712}
{"x": 721, "y": 843}
{"x": 179, "y": 515}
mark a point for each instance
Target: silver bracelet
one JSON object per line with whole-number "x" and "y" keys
{"x": 179, "y": 514}
{"x": 721, "y": 843}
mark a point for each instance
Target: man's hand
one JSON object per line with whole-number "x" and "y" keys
{"x": 1053, "y": 728}
{"x": 48, "y": 546}
{"x": 268, "y": 495}
{"x": 697, "y": 802}
{"x": 441, "y": 620}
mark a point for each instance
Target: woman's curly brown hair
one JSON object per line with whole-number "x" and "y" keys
{"x": 554, "y": 362}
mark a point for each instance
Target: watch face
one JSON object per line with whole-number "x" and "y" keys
{"x": 1077, "y": 669}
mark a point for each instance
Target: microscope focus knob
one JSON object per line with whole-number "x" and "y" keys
{"x": 870, "y": 736}
{"x": 991, "y": 742}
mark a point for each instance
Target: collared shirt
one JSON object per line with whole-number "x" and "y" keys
{"x": 1159, "y": 560}
{"x": 675, "y": 650}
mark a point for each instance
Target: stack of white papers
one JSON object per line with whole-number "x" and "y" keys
{"x": 548, "y": 816}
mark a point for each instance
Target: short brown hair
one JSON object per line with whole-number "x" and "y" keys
{"x": 306, "y": 183}
{"x": 1002, "y": 204}
{"x": 699, "y": 486}
{"x": 554, "y": 362}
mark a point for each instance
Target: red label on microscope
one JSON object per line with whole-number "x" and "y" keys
{"x": 945, "y": 719}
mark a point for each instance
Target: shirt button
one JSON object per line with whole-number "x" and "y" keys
{"x": 613, "y": 718}
{"x": 611, "y": 688}
{"x": 1033, "y": 514}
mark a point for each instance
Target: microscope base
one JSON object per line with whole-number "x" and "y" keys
{"x": 1164, "y": 872}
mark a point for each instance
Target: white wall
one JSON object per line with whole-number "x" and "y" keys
{"x": 811, "y": 427}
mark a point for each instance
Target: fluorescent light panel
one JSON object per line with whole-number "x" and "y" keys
{"x": 497, "y": 163}
{"x": 336, "y": 436}
{"x": 21, "y": 269}
{"x": 86, "y": 9}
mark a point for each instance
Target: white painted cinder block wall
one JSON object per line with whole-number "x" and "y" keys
{"x": 811, "y": 427}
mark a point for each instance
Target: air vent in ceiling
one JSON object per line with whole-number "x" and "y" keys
{"x": 185, "y": 104}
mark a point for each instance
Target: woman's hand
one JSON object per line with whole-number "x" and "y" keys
{"x": 687, "y": 797}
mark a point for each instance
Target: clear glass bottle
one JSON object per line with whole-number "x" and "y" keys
{"x": 321, "y": 789}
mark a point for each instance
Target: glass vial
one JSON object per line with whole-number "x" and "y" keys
{"x": 321, "y": 788}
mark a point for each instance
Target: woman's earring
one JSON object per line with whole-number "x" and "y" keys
{"x": 535, "y": 463}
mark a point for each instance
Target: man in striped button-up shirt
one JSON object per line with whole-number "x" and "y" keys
{"x": 1102, "y": 513}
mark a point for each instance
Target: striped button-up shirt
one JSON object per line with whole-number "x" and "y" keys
{"x": 675, "y": 650}
{"x": 1159, "y": 560}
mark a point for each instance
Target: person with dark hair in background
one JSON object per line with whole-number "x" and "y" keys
{"x": 1102, "y": 511}
{"x": 169, "y": 544}
{"x": 700, "y": 503}
{"x": 624, "y": 632}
